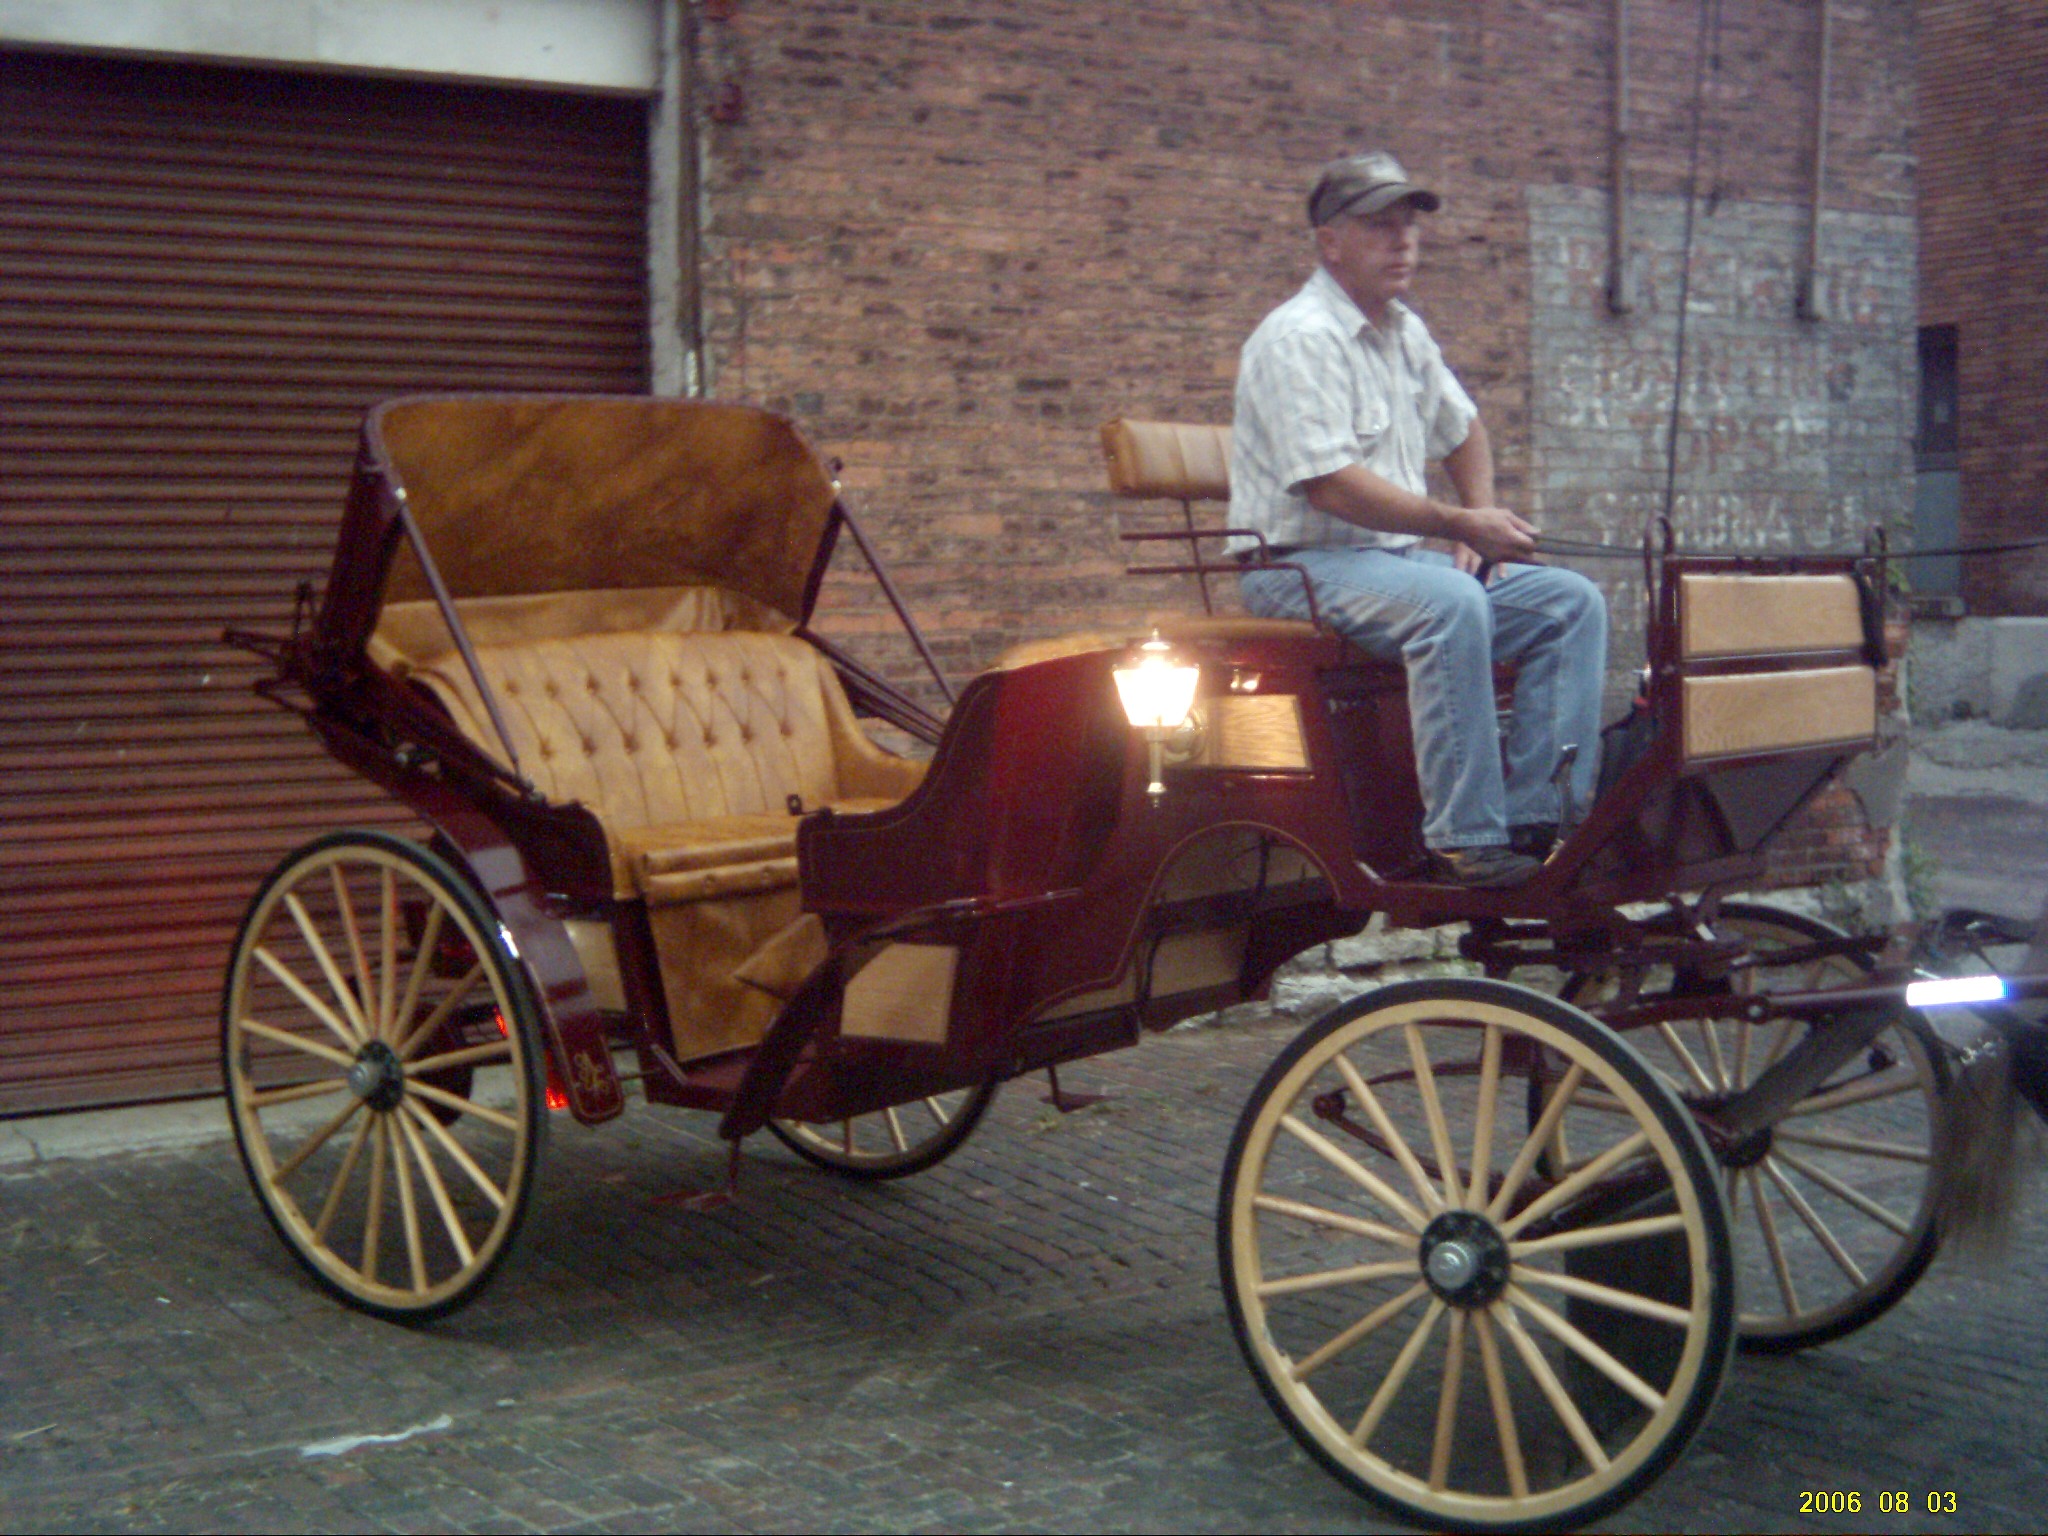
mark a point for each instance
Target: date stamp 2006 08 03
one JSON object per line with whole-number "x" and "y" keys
{"x": 1887, "y": 1502}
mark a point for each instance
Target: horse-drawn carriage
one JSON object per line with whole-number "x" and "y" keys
{"x": 1487, "y": 1247}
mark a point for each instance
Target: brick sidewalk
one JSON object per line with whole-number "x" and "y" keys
{"x": 1028, "y": 1337}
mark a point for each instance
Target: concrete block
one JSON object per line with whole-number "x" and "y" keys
{"x": 2018, "y": 654}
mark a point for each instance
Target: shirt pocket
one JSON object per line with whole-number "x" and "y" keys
{"x": 1370, "y": 421}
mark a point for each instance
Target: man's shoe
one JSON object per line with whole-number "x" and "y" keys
{"x": 1534, "y": 839}
{"x": 1483, "y": 868}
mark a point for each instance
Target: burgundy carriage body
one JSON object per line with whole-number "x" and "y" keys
{"x": 1026, "y": 901}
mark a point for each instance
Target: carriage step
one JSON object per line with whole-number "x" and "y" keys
{"x": 709, "y": 1199}
{"x": 1063, "y": 1101}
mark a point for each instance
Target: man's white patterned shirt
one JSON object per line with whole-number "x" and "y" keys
{"x": 1320, "y": 387}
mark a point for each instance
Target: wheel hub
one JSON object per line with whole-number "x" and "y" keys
{"x": 1748, "y": 1151}
{"x": 1464, "y": 1259}
{"x": 377, "y": 1078}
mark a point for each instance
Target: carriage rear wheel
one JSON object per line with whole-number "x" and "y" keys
{"x": 1833, "y": 1211}
{"x": 381, "y": 1052}
{"x": 900, "y": 1140}
{"x": 1471, "y": 1343}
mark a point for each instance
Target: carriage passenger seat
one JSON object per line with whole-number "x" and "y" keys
{"x": 695, "y": 745}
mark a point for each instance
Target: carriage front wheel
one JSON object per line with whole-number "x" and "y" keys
{"x": 1471, "y": 1341}
{"x": 380, "y": 1051}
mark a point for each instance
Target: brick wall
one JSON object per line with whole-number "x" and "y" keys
{"x": 1983, "y": 221}
{"x": 953, "y": 238}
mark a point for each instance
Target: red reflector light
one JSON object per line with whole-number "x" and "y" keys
{"x": 556, "y": 1098}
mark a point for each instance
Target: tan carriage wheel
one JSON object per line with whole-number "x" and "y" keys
{"x": 1458, "y": 1338}
{"x": 900, "y": 1140}
{"x": 381, "y": 1053}
{"x": 1833, "y": 1212}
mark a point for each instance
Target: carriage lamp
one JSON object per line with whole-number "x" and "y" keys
{"x": 1157, "y": 690}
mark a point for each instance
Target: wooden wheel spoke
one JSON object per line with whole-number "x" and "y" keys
{"x": 457, "y": 1153}
{"x": 314, "y": 1143}
{"x": 1820, "y": 1230}
{"x": 1693, "y": 1070}
{"x": 1323, "y": 1279}
{"x": 1864, "y": 1148}
{"x": 285, "y": 1037}
{"x": 1317, "y": 1216}
{"x": 1396, "y": 1142}
{"x": 468, "y": 1056}
{"x": 1503, "y": 1407}
{"x": 1883, "y": 1085}
{"x": 408, "y": 1207}
{"x": 1433, "y": 1112}
{"x": 1553, "y": 1390}
{"x": 1539, "y": 1137}
{"x": 423, "y": 1160}
{"x": 1710, "y": 1037}
{"x": 1842, "y": 1192}
{"x": 364, "y": 1128}
{"x": 1367, "y": 1325}
{"x": 373, "y": 1215}
{"x": 297, "y": 1091}
{"x": 896, "y": 1135}
{"x": 1364, "y": 1177}
{"x": 461, "y": 1105}
{"x": 1593, "y": 1237}
{"x": 324, "y": 958}
{"x": 425, "y": 1029}
{"x": 1743, "y": 1035}
{"x": 306, "y": 997}
{"x": 387, "y": 986}
{"x": 1397, "y": 1375}
{"x": 1769, "y": 1226}
{"x": 1482, "y": 1138}
{"x": 1580, "y": 1181}
{"x": 938, "y": 1113}
{"x": 846, "y": 1135}
{"x": 422, "y": 965}
{"x": 1587, "y": 1350}
{"x": 359, "y": 960}
{"x": 1605, "y": 1295}
{"x": 1447, "y": 1403}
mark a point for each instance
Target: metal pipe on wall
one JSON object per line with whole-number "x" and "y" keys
{"x": 1810, "y": 306}
{"x": 1620, "y": 273}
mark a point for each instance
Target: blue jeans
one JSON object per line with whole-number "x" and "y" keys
{"x": 1414, "y": 604}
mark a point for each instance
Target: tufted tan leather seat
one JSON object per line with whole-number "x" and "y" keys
{"x": 688, "y": 746}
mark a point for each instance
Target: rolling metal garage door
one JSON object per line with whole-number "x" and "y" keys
{"x": 206, "y": 275}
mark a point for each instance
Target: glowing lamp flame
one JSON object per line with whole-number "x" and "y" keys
{"x": 1157, "y": 690}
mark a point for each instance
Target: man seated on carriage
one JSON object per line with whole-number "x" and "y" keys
{"x": 1342, "y": 396}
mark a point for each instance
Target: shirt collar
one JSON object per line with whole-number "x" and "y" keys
{"x": 1345, "y": 308}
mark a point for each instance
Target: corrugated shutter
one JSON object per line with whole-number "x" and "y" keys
{"x": 206, "y": 275}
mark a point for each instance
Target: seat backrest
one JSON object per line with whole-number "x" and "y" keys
{"x": 650, "y": 726}
{"x": 1167, "y": 460}
{"x": 1744, "y": 627}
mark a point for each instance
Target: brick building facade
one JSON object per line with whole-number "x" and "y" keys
{"x": 1983, "y": 216}
{"x": 953, "y": 239}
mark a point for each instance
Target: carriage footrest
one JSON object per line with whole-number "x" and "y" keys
{"x": 1065, "y": 1102}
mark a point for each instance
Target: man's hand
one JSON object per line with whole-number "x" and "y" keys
{"x": 1489, "y": 533}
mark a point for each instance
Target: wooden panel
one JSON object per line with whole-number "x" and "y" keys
{"x": 206, "y": 278}
{"x": 1778, "y": 711}
{"x": 1767, "y": 615}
